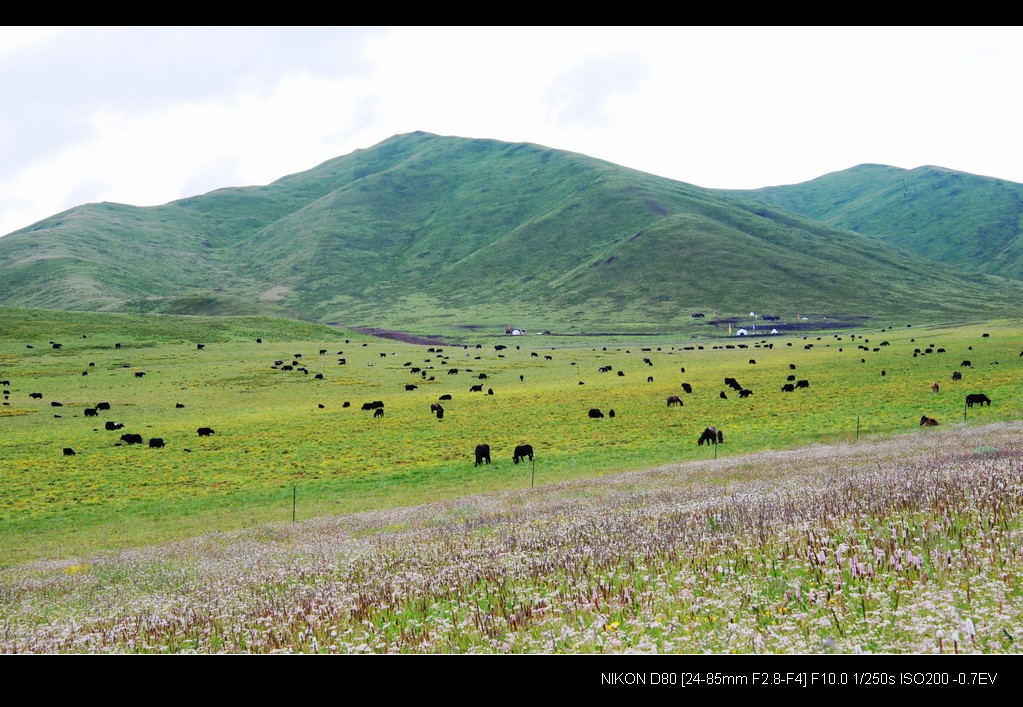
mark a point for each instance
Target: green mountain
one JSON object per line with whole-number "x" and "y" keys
{"x": 969, "y": 222}
{"x": 431, "y": 234}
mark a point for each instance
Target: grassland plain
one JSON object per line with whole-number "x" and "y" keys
{"x": 907, "y": 544}
{"x": 286, "y": 446}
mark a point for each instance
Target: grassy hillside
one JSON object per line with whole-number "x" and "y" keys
{"x": 285, "y": 441}
{"x": 971, "y": 222}
{"x": 443, "y": 235}
{"x": 85, "y": 330}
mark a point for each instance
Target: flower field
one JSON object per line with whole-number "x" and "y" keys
{"x": 905, "y": 545}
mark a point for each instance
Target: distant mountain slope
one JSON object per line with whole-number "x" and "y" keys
{"x": 970, "y": 222}
{"x": 423, "y": 233}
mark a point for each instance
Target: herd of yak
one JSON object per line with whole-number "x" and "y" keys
{"x": 710, "y": 435}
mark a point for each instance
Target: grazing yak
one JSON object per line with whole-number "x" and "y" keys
{"x": 521, "y": 452}
{"x": 68, "y": 452}
{"x": 437, "y": 410}
{"x": 957, "y": 375}
{"x": 91, "y": 412}
{"x": 688, "y": 388}
{"x": 111, "y": 425}
{"x": 131, "y": 438}
{"x": 156, "y": 443}
{"x": 379, "y": 412}
{"x": 977, "y": 399}
{"x": 595, "y": 413}
{"x": 482, "y": 454}
{"x": 928, "y": 421}
{"x": 204, "y": 431}
{"x": 674, "y": 400}
{"x": 711, "y": 435}
{"x": 476, "y": 388}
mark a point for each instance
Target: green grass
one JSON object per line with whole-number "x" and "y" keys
{"x": 894, "y": 545}
{"x": 274, "y": 445}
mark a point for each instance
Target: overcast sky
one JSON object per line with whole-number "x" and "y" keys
{"x": 145, "y": 116}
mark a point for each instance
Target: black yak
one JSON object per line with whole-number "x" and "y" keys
{"x": 709, "y": 435}
{"x": 977, "y": 399}
{"x": 521, "y": 452}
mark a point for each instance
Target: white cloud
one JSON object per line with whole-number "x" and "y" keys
{"x": 149, "y": 115}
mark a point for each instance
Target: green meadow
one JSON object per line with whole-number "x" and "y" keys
{"x": 287, "y": 447}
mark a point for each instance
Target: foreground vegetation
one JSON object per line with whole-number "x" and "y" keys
{"x": 286, "y": 448}
{"x": 902, "y": 545}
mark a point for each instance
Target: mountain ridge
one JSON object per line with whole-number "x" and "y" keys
{"x": 421, "y": 233}
{"x": 968, "y": 221}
